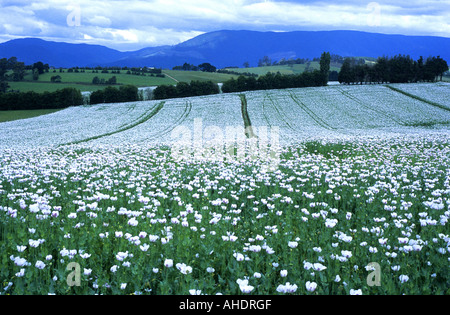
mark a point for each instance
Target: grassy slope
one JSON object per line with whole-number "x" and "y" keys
{"x": 294, "y": 69}
{"x": 83, "y": 81}
{"x": 24, "y": 114}
{"x": 187, "y": 76}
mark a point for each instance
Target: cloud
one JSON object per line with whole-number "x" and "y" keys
{"x": 134, "y": 24}
{"x": 99, "y": 20}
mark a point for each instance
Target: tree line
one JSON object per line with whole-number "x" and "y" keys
{"x": 204, "y": 67}
{"x": 267, "y": 61}
{"x": 244, "y": 83}
{"x": 48, "y": 100}
{"x": 65, "y": 98}
{"x": 398, "y": 69}
{"x": 125, "y": 93}
{"x": 272, "y": 81}
{"x": 183, "y": 89}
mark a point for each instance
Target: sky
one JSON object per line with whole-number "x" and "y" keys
{"x": 134, "y": 24}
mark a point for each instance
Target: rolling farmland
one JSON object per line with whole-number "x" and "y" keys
{"x": 301, "y": 114}
{"x": 356, "y": 199}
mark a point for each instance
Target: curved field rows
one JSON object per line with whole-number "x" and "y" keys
{"x": 299, "y": 114}
{"x": 438, "y": 93}
{"x": 277, "y": 109}
{"x": 341, "y": 111}
{"x": 207, "y": 113}
{"x": 74, "y": 124}
{"x": 407, "y": 110}
{"x": 308, "y": 113}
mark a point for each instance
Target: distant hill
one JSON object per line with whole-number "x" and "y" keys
{"x": 31, "y": 50}
{"x": 231, "y": 48}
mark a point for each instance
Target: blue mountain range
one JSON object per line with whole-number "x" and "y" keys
{"x": 230, "y": 48}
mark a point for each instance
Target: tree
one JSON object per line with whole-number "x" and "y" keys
{"x": 325, "y": 62}
{"x": 164, "y": 92}
{"x": 183, "y": 89}
{"x": 401, "y": 69}
{"x": 360, "y": 73}
{"x": 56, "y": 79}
{"x": 334, "y": 76}
{"x": 96, "y": 80}
{"x": 442, "y": 66}
{"x": 97, "y": 97}
{"x": 3, "y": 69}
{"x": 229, "y": 86}
{"x": 264, "y": 62}
{"x": 129, "y": 93}
{"x": 346, "y": 74}
{"x": 40, "y": 67}
{"x": 112, "y": 80}
{"x": 67, "y": 97}
{"x": 11, "y": 63}
{"x": 420, "y": 68}
{"x": 382, "y": 71}
{"x": 186, "y": 67}
{"x": 435, "y": 67}
{"x": 35, "y": 74}
{"x": 4, "y": 86}
{"x": 246, "y": 64}
{"x": 18, "y": 71}
{"x": 207, "y": 67}
{"x": 111, "y": 95}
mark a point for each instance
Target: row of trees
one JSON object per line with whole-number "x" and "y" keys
{"x": 204, "y": 67}
{"x": 3, "y": 70}
{"x": 228, "y": 71}
{"x": 66, "y": 97}
{"x": 12, "y": 70}
{"x": 183, "y": 89}
{"x": 272, "y": 81}
{"x": 125, "y": 93}
{"x": 398, "y": 69}
{"x": 48, "y": 100}
{"x": 114, "y": 70}
{"x": 267, "y": 61}
{"x": 110, "y": 81}
{"x": 282, "y": 81}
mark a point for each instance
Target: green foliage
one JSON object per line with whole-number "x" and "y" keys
{"x": 272, "y": 81}
{"x": 398, "y": 69}
{"x": 281, "y": 81}
{"x": 97, "y": 81}
{"x": 329, "y": 149}
{"x": 35, "y": 74}
{"x": 321, "y": 220}
{"x": 3, "y": 69}
{"x": 207, "y": 67}
{"x": 325, "y": 62}
{"x": 24, "y": 114}
{"x": 183, "y": 89}
{"x": 125, "y": 93}
{"x": 56, "y": 79}
{"x": 48, "y": 100}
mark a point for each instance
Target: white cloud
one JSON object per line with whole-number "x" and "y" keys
{"x": 135, "y": 24}
{"x": 100, "y": 21}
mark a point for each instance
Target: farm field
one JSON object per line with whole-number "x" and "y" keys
{"x": 285, "y": 69}
{"x": 188, "y": 76}
{"x": 6, "y": 116}
{"x": 354, "y": 197}
{"x": 83, "y": 81}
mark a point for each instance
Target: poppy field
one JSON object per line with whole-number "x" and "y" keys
{"x": 353, "y": 199}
